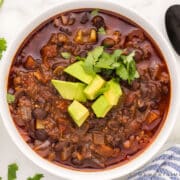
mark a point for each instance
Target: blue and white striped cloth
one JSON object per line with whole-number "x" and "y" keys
{"x": 164, "y": 167}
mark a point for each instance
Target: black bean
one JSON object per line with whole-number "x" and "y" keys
{"x": 165, "y": 90}
{"x": 41, "y": 100}
{"x": 141, "y": 105}
{"x": 65, "y": 30}
{"x": 108, "y": 42}
{"x": 59, "y": 44}
{"x": 85, "y": 18}
{"x": 39, "y": 113}
{"x": 98, "y": 22}
{"x": 41, "y": 134}
{"x": 154, "y": 105}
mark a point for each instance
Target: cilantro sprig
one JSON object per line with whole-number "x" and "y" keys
{"x": 36, "y": 177}
{"x": 12, "y": 170}
{"x": 98, "y": 60}
{"x": 102, "y": 31}
{"x": 66, "y": 55}
{"x": 95, "y": 12}
{"x": 3, "y": 46}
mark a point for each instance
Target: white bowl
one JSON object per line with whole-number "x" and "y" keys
{"x": 149, "y": 152}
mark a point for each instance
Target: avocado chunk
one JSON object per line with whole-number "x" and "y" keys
{"x": 91, "y": 91}
{"x": 76, "y": 70}
{"x": 114, "y": 92}
{"x": 101, "y": 106}
{"x": 70, "y": 90}
{"x": 78, "y": 112}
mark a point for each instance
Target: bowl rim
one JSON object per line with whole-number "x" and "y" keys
{"x": 162, "y": 136}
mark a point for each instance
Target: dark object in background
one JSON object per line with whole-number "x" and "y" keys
{"x": 172, "y": 21}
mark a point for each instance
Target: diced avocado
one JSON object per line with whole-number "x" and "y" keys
{"x": 114, "y": 92}
{"x": 76, "y": 70}
{"x": 101, "y": 106}
{"x": 78, "y": 112}
{"x": 80, "y": 96}
{"x": 92, "y": 89}
{"x": 70, "y": 90}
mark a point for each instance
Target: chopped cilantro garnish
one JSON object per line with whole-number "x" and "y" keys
{"x": 95, "y": 12}
{"x": 66, "y": 55}
{"x": 102, "y": 90}
{"x": 102, "y": 31}
{"x": 36, "y": 177}
{"x": 3, "y": 46}
{"x": 10, "y": 98}
{"x": 12, "y": 168}
{"x": 99, "y": 60}
{"x": 80, "y": 58}
{"x": 92, "y": 58}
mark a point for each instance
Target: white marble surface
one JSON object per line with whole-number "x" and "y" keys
{"x": 13, "y": 17}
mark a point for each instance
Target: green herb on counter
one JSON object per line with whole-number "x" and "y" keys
{"x": 36, "y": 177}
{"x": 12, "y": 169}
{"x": 3, "y": 46}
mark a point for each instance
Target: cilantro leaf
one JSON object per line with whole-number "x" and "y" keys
{"x": 10, "y": 98}
{"x": 80, "y": 58}
{"x": 88, "y": 64}
{"x": 107, "y": 72}
{"x": 130, "y": 56}
{"x": 102, "y": 90}
{"x": 0, "y": 178}
{"x": 108, "y": 61}
{"x": 127, "y": 70}
{"x": 136, "y": 75}
{"x": 115, "y": 65}
{"x": 105, "y": 61}
{"x": 122, "y": 72}
{"x": 117, "y": 54}
{"x": 3, "y": 46}
{"x": 97, "y": 52}
{"x": 95, "y": 12}
{"x": 92, "y": 58}
{"x": 66, "y": 55}
{"x": 36, "y": 177}
{"x": 1, "y": 2}
{"x": 102, "y": 31}
{"x": 12, "y": 168}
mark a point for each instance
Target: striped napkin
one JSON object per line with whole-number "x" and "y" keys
{"x": 164, "y": 167}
